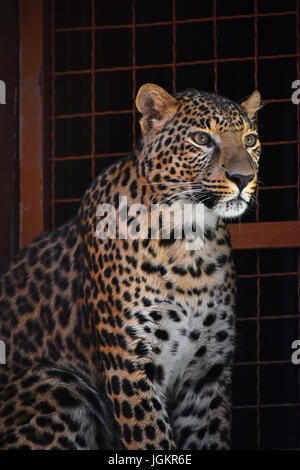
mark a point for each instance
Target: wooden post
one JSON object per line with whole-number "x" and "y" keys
{"x": 32, "y": 125}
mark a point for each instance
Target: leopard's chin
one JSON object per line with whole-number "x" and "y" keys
{"x": 231, "y": 209}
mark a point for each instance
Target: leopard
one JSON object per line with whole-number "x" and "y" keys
{"x": 125, "y": 341}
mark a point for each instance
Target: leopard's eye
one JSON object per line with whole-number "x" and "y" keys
{"x": 201, "y": 138}
{"x": 250, "y": 140}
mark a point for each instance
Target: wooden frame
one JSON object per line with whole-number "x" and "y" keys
{"x": 265, "y": 235}
{"x": 33, "y": 133}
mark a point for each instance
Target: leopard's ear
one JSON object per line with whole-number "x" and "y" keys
{"x": 156, "y": 105}
{"x": 252, "y": 104}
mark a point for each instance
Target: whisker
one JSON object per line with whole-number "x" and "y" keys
{"x": 171, "y": 182}
{"x": 168, "y": 198}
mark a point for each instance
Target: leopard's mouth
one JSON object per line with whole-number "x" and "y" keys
{"x": 231, "y": 209}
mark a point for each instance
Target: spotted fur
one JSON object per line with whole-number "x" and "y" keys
{"x": 122, "y": 343}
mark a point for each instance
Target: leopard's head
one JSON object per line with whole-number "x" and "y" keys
{"x": 201, "y": 147}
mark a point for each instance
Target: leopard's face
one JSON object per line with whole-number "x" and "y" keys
{"x": 200, "y": 147}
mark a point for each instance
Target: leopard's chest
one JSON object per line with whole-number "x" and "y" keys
{"x": 189, "y": 330}
{"x": 184, "y": 310}
{"x": 190, "y": 334}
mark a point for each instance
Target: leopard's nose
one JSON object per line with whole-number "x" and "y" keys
{"x": 240, "y": 180}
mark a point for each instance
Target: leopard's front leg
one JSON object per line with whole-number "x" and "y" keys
{"x": 141, "y": 414}
{"x": 201, "y": 411}
{"x": 124, "y": 340}
{"x": 138, "y": 407}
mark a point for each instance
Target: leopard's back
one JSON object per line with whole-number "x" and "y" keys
{"x": 50, "y": 397}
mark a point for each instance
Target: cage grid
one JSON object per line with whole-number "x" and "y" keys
{"x": 101, "y": 52}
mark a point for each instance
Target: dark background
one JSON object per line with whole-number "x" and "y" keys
{"x": 97, "y": 54}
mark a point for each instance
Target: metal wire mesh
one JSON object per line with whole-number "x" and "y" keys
{"x": 101, "y": 53}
